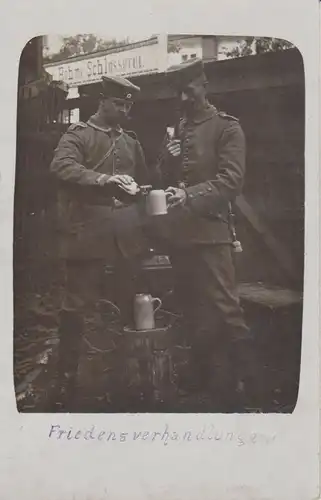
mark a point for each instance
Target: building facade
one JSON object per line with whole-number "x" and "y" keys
{"x": 145, "y": 57}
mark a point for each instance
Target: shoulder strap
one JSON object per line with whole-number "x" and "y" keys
{"x": 108, "y": 153}
{"x": 77, "y": 126}
{"x": 224, "y": 115}
{"x": 131, "y": 134}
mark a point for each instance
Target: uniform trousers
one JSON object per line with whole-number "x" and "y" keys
{"x": 206, "y": 290}
{"x": 204, "y": 277}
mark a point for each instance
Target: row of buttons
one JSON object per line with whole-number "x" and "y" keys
{"x": 200, "y": 193}
{"x": 115, "y": 170}
{"x": 186, "y": 149}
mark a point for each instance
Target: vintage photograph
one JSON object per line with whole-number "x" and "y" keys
{"x": 159, "y": 224}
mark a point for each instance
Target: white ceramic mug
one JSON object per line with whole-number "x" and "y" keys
{"x": 156, "y": 202}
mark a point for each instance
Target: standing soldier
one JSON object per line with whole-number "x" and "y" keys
{"x": 204, "y": 167}
{"x": 99, "y": 167}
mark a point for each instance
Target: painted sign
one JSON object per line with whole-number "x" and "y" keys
{"x": 133, "y": 61}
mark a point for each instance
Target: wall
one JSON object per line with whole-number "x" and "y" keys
{"x": 30, "y": 66}
{"x": 274, "y": 125}
{"x": 190, "y": 47}
{"x": 201, "y": 47}
{"x": 209, "y": 48}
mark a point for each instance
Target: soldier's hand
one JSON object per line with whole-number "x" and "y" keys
{"x": 175, "y": 196}
{"x": 124, "y": 182}
{"x": 174, "y": 147}
{"x": 121, "y": 180}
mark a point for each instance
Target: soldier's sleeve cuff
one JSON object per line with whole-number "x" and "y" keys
{"x": 203, "y": 198}
{"x": 101, "y": 179}
{"x": 90, "y": 178}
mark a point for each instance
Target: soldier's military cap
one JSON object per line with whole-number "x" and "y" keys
{"x": 185, "y": 73}
{"x": 118, "y": 87}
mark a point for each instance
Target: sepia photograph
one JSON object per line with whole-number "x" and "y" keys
{"x": 159, "y": 224}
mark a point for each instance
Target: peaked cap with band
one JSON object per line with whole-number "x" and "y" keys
{"x": 118, "y": 87}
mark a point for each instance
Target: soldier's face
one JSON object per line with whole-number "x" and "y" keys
{"x": 192, "y": 97}
{"x": 115, "y": 110}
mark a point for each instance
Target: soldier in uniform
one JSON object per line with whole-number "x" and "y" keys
{"x": 99, "y": 167}
{"x": 203, "y": 170}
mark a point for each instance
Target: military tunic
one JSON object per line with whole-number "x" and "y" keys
{"x": 211, "y": 169}
{"x": 88, "y": 222}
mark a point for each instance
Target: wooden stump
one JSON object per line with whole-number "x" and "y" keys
{"x": 149, "y": 367}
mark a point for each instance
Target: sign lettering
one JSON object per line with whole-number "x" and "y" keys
{"x": 130, "y": 62}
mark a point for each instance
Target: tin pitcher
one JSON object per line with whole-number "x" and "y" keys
{"x": 144, "y": 312}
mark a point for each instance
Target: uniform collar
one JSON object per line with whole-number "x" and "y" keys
{"x": 104, "y": 129}
{"x": 205, "y": 114}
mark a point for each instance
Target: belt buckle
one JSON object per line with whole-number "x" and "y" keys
{"x": 117, "y": 203}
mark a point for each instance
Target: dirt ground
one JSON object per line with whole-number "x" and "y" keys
{"x": 112, "y": 378}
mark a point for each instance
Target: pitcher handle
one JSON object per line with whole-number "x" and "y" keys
{"x": 156, "y": 299}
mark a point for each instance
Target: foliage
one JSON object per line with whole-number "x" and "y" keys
{"x": 173, "y": 47}
{"x": 82, "y": 44}
{"x": 87, "y": 43}
{"x": 257, "y": 45}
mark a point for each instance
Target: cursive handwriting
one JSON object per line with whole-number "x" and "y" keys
{"x": 208, "y": 433}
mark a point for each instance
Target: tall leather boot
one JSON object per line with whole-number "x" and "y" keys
{"x": 70, "y": 332}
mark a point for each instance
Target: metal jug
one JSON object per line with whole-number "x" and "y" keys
{"x": 144, "y": 311}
